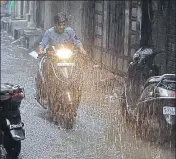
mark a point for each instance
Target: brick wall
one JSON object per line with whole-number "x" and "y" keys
{"x": 163, "y": 35}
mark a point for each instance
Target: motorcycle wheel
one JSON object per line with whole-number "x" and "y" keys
{"x": 12, "y": 147}
{"x": 66, "y": 116}
{"x": 38, "y": 85}
{"x": 67, "y": 123}
{"x": 64, "y": 113}
{"x": 143, "y": 128}
{"x": 40, "y": 90}
{"x": 122, "y": 104}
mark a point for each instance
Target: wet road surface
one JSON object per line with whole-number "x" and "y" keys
{"x": 98, "y": 133}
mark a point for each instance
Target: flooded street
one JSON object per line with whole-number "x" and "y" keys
{"x": 99, "y": 132}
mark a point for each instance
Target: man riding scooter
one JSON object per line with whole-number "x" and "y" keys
{"x": 60, "y": 34}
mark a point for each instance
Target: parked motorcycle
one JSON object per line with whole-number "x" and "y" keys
{"x": 149, "y": 98}
{"x": 59, "y": 81}
{"x": 11, "y": 127}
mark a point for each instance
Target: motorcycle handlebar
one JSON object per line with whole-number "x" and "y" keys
{"x": 84, "y": 56}
{"x": 42, "y": 54}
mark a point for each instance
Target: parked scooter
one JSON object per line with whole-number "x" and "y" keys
{"x": 149, "y": 99}
{"x": 11, "y": 127}
{"x": 59, "y": 81}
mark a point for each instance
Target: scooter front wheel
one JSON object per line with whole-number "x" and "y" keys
{"x": 40, "y": 91}
{"x": 12, "y": 147}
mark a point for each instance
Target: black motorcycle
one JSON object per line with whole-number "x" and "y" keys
{"x": 149, "y": 98}
{"x": 59, "y": 82}
{"x": 11, "y": 127}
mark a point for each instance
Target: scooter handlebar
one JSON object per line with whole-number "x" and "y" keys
{"x": 42, "y": 54}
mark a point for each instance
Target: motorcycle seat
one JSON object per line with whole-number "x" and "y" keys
{"x": 7, "y": 88}
{"x": 156, "y": 79}
{"x": 152, "y": 80}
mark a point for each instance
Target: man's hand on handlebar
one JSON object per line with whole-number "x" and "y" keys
{"x": 83, "y": 51}
{"x": 40, "y": 50}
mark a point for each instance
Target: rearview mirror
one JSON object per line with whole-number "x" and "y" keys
{"x": 34, "y": 54}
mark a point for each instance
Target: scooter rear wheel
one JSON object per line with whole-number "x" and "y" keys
{"x": 12, "y": 147}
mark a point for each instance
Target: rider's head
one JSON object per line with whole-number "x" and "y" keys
{"x": 60, "y": 20}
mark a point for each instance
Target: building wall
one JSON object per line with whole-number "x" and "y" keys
{"x": 163, "y": 34}
{"x": 112, "y": 32}
{"x": 17, "y": 9}
{"x": 171, "y": 38}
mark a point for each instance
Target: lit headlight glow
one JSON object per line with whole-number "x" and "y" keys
{"x": 64, "y": 53}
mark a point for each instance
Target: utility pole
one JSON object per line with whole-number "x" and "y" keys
{"x": 48, "y": 12}
{"x": 30, "y": 16}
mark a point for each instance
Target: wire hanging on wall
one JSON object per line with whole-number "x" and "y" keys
{"x": 149, "y": 13}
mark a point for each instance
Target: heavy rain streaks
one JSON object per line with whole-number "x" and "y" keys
{"x": 100, "y": 132}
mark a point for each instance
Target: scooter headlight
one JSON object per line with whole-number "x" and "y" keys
{"x": 64, "y": 54}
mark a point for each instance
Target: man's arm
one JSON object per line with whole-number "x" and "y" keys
{"x": 44, "y": 42}
{"x": 76, "y": 41}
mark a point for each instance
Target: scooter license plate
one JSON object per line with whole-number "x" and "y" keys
{"x": 169, "y": 110}
{"x": 65, "y": 64}
{"x": 16, "y": 126}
